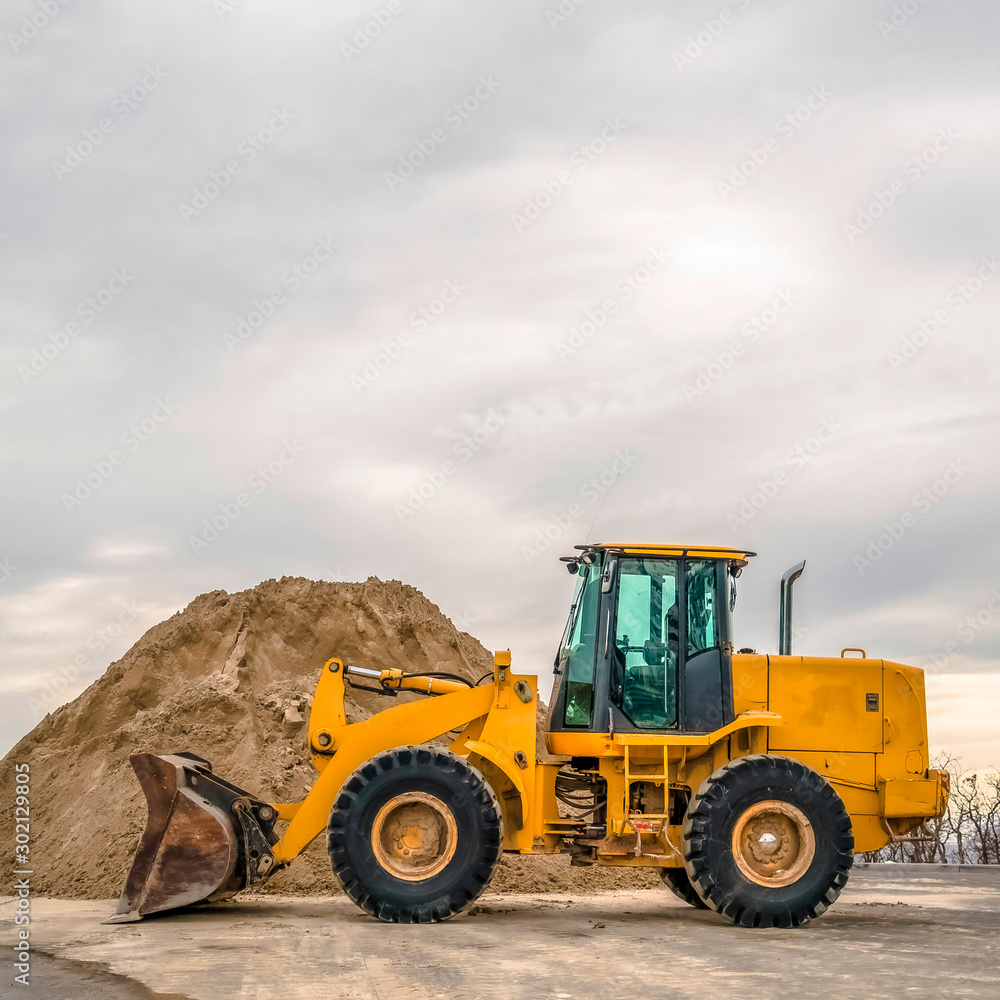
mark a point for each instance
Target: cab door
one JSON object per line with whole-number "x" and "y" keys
{"x": 668, "y": 662}
{"x": 708, "y": 697}
{"x": 643, "y": 664}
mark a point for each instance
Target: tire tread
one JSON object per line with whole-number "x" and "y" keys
{"x": 479, "y": 872}
{"x": 712, "y": 803}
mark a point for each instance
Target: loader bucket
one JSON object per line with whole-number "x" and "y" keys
{"x": 205, "y": 839}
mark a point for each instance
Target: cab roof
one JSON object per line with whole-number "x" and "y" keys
{"x": 646, "y": 549}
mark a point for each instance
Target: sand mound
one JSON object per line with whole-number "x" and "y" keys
{"x": 230, "y": 678}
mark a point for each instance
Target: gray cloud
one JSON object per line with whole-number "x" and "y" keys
{"x": 529, "y": 145}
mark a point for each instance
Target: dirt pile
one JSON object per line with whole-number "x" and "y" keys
{"x": 230, "y": 678}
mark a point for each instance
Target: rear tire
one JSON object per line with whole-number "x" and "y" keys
{"x": 415, "y": 835}
{"x": 768, "y": 842}
{"x": 677, "y": 881}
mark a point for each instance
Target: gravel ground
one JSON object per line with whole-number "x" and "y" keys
{"x": 914, "y": 931}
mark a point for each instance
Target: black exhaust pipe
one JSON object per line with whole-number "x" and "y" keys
{"x": 785, "y": 608}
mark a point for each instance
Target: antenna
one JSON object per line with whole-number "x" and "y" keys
{"x": 601, "y": 504}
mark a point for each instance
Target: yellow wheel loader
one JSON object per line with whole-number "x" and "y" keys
{"x": 748, "y": 780}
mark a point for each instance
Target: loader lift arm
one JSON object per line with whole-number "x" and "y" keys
{"x": 339, "y": 749}
{"x": 206, "y": 838}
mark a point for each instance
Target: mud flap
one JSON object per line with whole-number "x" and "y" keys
{"x": 205, "y": 838}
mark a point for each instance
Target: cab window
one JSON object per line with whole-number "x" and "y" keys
{"x": 702, "y": 619}
{"x": 578, "y": 655}
{"x": 644, "y": 671}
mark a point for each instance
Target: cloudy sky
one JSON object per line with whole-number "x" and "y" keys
{"x": 399, "y": 289}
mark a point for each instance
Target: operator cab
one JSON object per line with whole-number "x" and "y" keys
{"x": 648, "y": 643}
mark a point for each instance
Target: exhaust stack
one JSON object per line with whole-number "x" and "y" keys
{"x": 785, "y": 608}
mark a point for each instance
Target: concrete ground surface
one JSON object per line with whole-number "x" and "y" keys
{"x": 897, "y": 931}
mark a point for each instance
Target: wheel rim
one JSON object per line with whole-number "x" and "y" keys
{"x": 414, "y": 836}
{"x": 773, "y": 843}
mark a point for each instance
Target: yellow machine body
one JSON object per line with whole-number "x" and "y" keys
{"x": 799, "y": 707}
{"x": 858, "y": 723}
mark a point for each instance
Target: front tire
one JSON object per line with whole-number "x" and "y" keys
{"x": 415, "y": 835}
{"x": 768, "y": 842}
